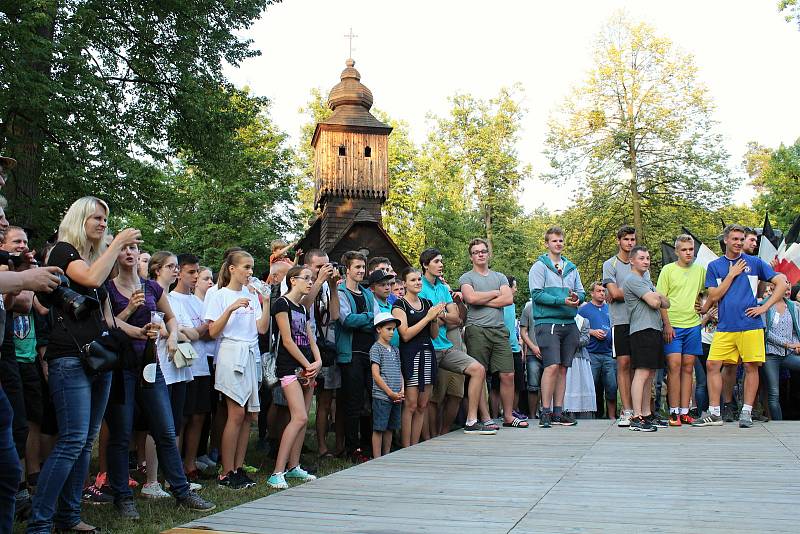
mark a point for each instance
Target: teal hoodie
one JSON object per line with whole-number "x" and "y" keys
{"x": 549, "y": 290}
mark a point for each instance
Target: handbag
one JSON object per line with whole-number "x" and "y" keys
{"x": 269, "y": 360}
{"x": 185, "y": 355}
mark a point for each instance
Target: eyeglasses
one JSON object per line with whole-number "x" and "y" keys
{"x": 171, "y": 266}
{"x": 480, "y": 252}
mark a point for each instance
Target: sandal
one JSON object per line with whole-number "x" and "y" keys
{"x": 516, "y": 423}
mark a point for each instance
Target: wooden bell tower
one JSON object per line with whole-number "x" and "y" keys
{"x": 351, "y": 171}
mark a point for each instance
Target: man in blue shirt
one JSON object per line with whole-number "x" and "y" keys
{"x": 447, "y": 356}
{"x": 604, "y": 366}
{"x": 732, "y": 281}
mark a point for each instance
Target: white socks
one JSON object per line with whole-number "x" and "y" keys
{"x": 714, "y": 410}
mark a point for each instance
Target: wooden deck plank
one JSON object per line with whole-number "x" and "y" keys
{"x": 584, "y": 479}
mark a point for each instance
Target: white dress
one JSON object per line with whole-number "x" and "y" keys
{"x": 580, "y": 394}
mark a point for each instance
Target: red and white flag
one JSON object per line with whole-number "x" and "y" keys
{"x": 789, "y": 263}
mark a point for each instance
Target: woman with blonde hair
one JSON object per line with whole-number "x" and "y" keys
{"x": 79, "y": 399}
{"x": 236, "y": 317}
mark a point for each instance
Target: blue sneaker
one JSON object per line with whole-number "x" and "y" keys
{"x": 299, "y": 473}
{"x": 277, "y": 481}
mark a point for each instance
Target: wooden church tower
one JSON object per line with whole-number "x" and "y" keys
{"x": 351, "y": 176}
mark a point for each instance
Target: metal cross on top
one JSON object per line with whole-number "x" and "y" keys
{"x": 350, "y": 36}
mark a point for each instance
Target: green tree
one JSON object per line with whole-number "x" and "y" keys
{"x": 791, "y": 9}
{"x": 94, "y": 93}
{"x": 243, "y": 195}
{"x": 776, "y": 176}
{"x": 639, "y": 132}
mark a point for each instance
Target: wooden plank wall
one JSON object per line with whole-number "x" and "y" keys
{"x": 352, "y": 175}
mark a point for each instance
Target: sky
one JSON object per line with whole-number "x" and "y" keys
{"x": 414, "y": 54}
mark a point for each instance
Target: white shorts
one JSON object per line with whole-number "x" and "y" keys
{"x": 237, "y": 374}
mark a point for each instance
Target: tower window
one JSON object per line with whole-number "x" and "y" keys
{"x": 367, "y": 152}
{"x": 342, "y": 150}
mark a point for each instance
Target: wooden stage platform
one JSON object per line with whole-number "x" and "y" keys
{"x": 591, "y": 478}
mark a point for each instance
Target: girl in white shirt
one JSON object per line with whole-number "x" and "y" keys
{"x": 235, "y": 316}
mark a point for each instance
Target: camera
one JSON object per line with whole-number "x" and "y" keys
{"x": 73, "y": 304}
{"x": 339, "y": 267}
{"x": 16, "y": 259}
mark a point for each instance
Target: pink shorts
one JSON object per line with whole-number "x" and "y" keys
{"x": 288, "y": 379}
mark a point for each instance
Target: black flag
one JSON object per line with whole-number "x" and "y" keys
{"x": 794, "y": 232}
{"x": 769, "y": 233}
{"x": 667, "y": 254}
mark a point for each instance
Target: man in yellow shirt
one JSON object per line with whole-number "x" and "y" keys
{"x": 681, "y": 282}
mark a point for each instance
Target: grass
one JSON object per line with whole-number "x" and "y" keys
{"x": 162, "y": 514}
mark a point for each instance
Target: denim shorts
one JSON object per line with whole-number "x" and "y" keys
{"x": 686, "y": 341}
{"x": 385, "y": 415}
{"x": 534, "y": 367}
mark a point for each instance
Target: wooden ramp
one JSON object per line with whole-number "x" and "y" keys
{"x": 591, "y": 478}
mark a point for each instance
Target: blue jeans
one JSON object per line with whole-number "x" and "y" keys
{"x": 604, "y": 368}
{"x": 155, "y": 405}
{"x": 10, "y": 468}
{"x": 772, "y": 372}
{"x": 79, "y": 403}
{"x": 700, "y": 384}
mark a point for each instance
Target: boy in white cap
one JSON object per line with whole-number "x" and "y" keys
{"x": 388, "y": 389}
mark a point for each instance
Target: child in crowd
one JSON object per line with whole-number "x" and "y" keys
{"x": 280, "y": 252}
{"x": 235, "y": 316}
{"x": 388, "y": 390}
{"x": 297, "y": 364}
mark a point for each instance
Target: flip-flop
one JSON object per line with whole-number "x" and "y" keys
{"x": 516, "y": 423}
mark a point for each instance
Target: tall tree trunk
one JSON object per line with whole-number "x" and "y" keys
{"x": 636, "y": 201}
{"x": 487, "y": 223}
{"x": 26, "y": 123}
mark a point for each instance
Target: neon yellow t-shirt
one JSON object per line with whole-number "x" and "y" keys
{"x": 681, "y": 286}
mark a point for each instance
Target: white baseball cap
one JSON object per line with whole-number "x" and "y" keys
{"x": 385, "y": 317}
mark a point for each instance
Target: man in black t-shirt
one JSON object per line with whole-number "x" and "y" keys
{"x": 354, "y": 338}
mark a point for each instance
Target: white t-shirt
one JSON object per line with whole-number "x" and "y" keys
{"x": 188, "y": 310}
{"x": 242, "y": 324}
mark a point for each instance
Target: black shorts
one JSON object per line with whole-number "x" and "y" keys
{"x": 558, "y": 343}
{"x": 198, "y": 401}
{"x": 32, "y": 390}
{"x": 647, "y": 349}
{"x": 622, "y": 341}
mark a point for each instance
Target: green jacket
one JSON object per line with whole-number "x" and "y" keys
{"x": 350, "y": 321}
{"x": 549, "y": 289}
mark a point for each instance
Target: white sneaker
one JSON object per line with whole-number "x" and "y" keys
{"x": 193, "y": 486}
{"x": 207, "y": 461}
{"x": 624, "y": 419}
{"x": 153, "y": 490}
{"x": 202, "y": 466}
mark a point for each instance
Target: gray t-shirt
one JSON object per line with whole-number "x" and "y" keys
{"x": 526, "y": 321}
{"x": 617, "y": 271}
{"x": 484, "y": 316}
{"x": 388, "y": 358}
{"x": 641, "y": 315}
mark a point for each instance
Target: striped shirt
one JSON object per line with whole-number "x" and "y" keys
{"x": 388, "y": 358}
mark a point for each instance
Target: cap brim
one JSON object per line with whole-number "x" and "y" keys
{"x": 396, "y": 322}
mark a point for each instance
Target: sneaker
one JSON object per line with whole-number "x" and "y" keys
{"x": 23, "y": 505}
{"x": 201, "y": 466}
{"x": 745, "y": 419}
{"x": 545, "y": 420}
{"x": 208, "y": 462}
{"x": 640, "y": 424}
{"x": 687, "y": 419}
{"x": 675, "y": 420}
{"x": 564, "y": 419}
{"x": 193, "y": 486}
{"x": 95, "y": 495}
{"x": 277, "y": 481}
{"x": 357, "y": 457}
{"x": 760, "y": 417}
{"x": 708, "y": 419}
{"x": 153, "y": 490}
{"x": 127, "y": 509}
{"x": 195, "y": 502}
{"x": 656, "y": 421}
{"x": 102, "y": 479}
{"x": 299, "y": 473}
{"x": 246, "y": 480}
{"x": 729, "y": 412}
{"x": 694, "y": 413}
{"x": 624, "y": 419}
{"x": 478, "y": 428}
{"x": 231, "y": 481}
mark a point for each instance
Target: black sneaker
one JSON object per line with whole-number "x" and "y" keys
{"x": 231, "y": 481}
{"x": 640, "y": 424}
{"x": 246, "y": 480}
{"x": 195, "y": 502}
{"x": 564, "y": 419}
{"x": 478, "y": 428}
{"x": 23, "y": 506}
{"x": 729, "y": 412}
{"x": 656, "y": 421}
{"x": 94, "y": 495}
{"x": 545, "y": 420}
{"x": 127, "y": 509}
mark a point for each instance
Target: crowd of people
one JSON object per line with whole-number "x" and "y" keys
{"x": 167, "y": 364}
